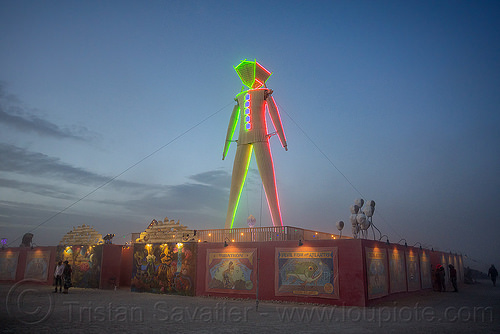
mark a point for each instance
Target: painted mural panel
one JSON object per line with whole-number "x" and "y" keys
{"x": 376, "y": 272}
{"x": 37, "y": 265}
{"x": 164, "y": 268}
{"x": 231, "y": 271}
{"x": 307, "y": 272}
{"x": 460, "y": 270}
{"x": 454, "y": 263}
{"x": 87, "y": 266}
{"x": 85, "y": 263}
{"x": 444, "y": 262}
{"x": 8, "y": 265}
{"x": 397, "y": 271}
{"x": 425, "y": 270}
{"x": 412, "y": 270}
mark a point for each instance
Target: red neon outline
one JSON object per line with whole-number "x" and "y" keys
{"x": 257, "y": 81}
{"x": 262, "y": 67}
{"x": 279, "y": 118}
{"x": 275, "y": 190}
{"x": 249, "y": 157}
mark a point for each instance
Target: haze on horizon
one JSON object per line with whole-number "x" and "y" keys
{"x": 119, "y": 110}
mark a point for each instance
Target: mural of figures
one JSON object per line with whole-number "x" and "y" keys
{"x": 250, "y": 108}
{"x": 307, "y": 273}
{"x": 85, "y": 262}
{"x": 412, "y": 270}
{"x": 164, "y": 268}
{"x": 376, "y": 271}
{"x": 8, "y": 265}
{"x": 397, "y": 271}
{"x": 231, "y": 271}
{"x": 425, "y": 271}
{"x": 37, "y": 265}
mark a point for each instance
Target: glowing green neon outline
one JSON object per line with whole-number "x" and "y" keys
{"x": 235, "y": 123}
{"x": 233, "y": 129}
{"x": 242, "y": 184}
{"x": 245, "y": 63}
{"x": 254, "y": 65}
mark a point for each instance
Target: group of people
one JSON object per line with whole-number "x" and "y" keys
{"x": 62, "y": 276}
{"x": 440, "y": 277}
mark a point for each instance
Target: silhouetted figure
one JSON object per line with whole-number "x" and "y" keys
{"x": 493, "y": 273}
{"x": 453, "y": 277}
{"x": 67, "y": 276}
{"x": 437, "y": 280}
{"x": 434, "y": 279}
{"x": 468, "y": 278}
{"x": 108, "y": 238}
{"x": 440, "y": 278}
{"x": 27, "y": 237}
{"x": 58, "y": 275}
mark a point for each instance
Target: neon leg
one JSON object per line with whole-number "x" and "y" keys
{"x": 240, "y": 169}
{"x": 266, "y": 170}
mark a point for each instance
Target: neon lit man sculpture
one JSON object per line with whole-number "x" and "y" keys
{"x": 251, "y": 104}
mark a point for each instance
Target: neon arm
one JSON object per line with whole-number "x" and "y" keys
{"x": 231, "y": 128}
{"x": 275, "y": 117}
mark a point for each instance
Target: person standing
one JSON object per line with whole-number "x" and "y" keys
{"x": 67, "y": 276}
{"x": 441, "y": 277}
{"x": 493, "y": 273}
{"x": 58, "y": 276}
{"x": 453, "y": 277}
{"x": 437, "y": 278}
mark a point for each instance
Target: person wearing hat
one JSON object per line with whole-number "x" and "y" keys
{"x": 453, "y": 277}
{"x": 67, "y": 276}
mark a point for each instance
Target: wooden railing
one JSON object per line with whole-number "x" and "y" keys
{"x": 278, "y": 233}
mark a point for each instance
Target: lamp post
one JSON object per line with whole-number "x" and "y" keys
{"x": 406, "y": 244}
{"x": 340, "y": 227}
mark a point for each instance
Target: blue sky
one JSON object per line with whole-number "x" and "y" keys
{"x": 386, "y": 100}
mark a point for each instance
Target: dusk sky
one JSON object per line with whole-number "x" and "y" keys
{"x": 114, "y": 113}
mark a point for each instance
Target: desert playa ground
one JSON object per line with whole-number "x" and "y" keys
{"x": 29, "y": 308}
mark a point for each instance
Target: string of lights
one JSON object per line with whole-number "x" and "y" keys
{"x": 124, "y": 171}
{"x": 333, "y": 164}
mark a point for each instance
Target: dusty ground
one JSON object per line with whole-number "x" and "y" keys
{"x": 29, "y": 308}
